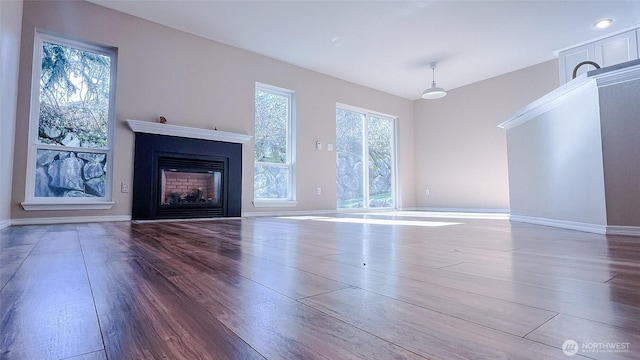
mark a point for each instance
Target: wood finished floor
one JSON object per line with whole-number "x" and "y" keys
{"x": 345, "y": 287}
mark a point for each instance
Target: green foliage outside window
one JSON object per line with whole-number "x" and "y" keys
{"x": 272, "y": 112}
{"x": 272, "y": 174}
{"x": 72, "y": 148}
{"x": 74, "y": 97}
{"x": 356, "y": 132}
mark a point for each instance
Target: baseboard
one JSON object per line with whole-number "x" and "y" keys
{"x": 463, "y": 210}
{"x": 369, "y": 210}
{"x": 4, "y": 224}
{"x": 221, "y": 218}
{"x": 563, "y": 224}
{"x": 70, "y": 220}
{"x": 287, "y": 213}
{"x": 346, "y": 211}
{"x": 623, "y": 230}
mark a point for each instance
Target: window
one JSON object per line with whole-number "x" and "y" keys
{"x": 274, "y": 176}
{"x": 365, "y": 169}
{"x": 71, "y": 125}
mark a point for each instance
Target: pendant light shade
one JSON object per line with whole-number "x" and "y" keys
{"x": 434, "y": 92}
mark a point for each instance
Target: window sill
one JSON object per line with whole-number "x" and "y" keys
{"x": 33, "y": 206}
{"x": 274, "y": 203}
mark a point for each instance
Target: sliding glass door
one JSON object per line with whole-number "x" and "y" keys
{"x": 366, "y": 160}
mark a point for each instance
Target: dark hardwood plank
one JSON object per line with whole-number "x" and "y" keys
{"x": 96, "y": 355}
{"x": 625, "y": 288}
{"x": 16, "y": 243}
{"x": 506, "y": 316}
{"x": 588, "y": 288}
{"x": 602, "y": 310}
{"x": 11, "y": 258}
{"x": 103, "y": 248}
{"x": 563, "y": 327}
{"x": 19, "y": 235}
{"x": 428, "y": 333}
{"x": 281, "y": 328}
{"x": 295, "y": 287}
{"x": 143, "y": 316}
{"x": 47, "y": 309}
{"x": 57, "y": 242}
{"x": 214, "y": 253}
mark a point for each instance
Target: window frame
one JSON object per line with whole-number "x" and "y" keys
{"x": 366, "y": 114}
{"x": 31, "y": 202}
{"x": 290, "y": 163}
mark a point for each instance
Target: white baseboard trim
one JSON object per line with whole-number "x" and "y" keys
{"x": 4, "y": 224}
{"x": 623, "y": 230}
{"x": 463, "y": 210}
{"x": 70, "y": 220}
{"x": 364, "y": 211}
{"x": 563, "y": 224}
{"x": 187, "y": 220}
{"x": 287, "y": 213}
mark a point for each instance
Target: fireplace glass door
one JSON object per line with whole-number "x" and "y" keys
{"x": 181, "y": 187}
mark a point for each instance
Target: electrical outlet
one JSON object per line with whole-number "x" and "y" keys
{"x": 329, "y": 147}
{"x": 319, "y": 191}
{"x": 124, "y": 187}
{"x": 426, "y": 192}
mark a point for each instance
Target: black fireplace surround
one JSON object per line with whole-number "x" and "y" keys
{"x": 155, "y": 153}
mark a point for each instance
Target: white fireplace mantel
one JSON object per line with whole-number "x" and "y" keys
{"x": 186, "y": 132}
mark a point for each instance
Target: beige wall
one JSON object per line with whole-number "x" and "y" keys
{"x": 201, "y": 83}
{"x": 461, "y": 155}
{"x": 620, "y": 122}
{"x": 555, "y": 162}
{"x": 577, "y": 160}
{"x": 10, "y": 26}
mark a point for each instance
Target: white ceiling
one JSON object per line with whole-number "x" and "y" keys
{"x": 388, "y": 45}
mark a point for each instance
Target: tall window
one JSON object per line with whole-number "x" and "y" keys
{"x": 366, "y": 159}
{"x": 274, "y": 177}
{"x": 71, "y": 125}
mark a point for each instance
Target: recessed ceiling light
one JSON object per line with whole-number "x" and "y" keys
{"x": 603, "y": 24}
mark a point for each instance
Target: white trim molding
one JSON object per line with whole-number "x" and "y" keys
{"x": 592, "y": 40}
{"x": 549, "y": 101}
{"x": 288, "y": 213}
{"x": 221, "y": 218}
{"x": 623, "y": 230}
{"x": 5, "y": 224}
{"x": 616, "y": 74}
{"x": 563, "y": 224}
{"x": 31, "y": 206}
{"x": 598, "y": 78}
{"x": 586, "y": 227}
{"x": 274, "y": 203}
{"x": 70, "y": 220}
{"x": 35, "y": 201}
{"x": 463, "y": 210}
{"x": 186, "y": 132}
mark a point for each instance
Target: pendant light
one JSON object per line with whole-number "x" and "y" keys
{"x": 434, "y": 92}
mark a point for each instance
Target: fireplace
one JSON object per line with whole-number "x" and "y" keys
{"x": 190, "y": 186}
{"x": 177, "y": 177}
